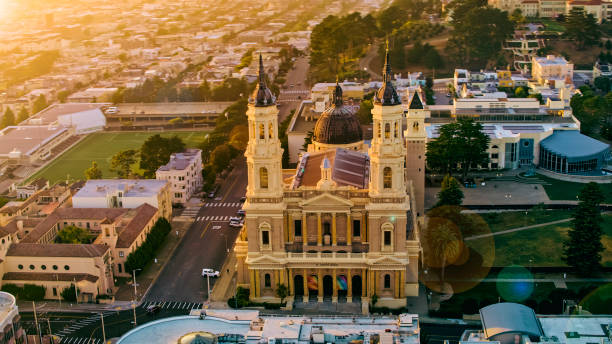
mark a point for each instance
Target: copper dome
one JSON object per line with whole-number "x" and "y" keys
{"x": 337, "y": 124}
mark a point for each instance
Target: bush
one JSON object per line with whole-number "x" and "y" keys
{"x": 146, "y": 252}
{"x": 29, "y": 292}
{"x": 69, "y": 294}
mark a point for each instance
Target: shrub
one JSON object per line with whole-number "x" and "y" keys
{"x": 146, "y": 252}
{"x": 69, "y": 294}
{"x": 29, "y": 292}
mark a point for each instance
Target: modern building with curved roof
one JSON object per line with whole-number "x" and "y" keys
{"x": 570, "y": 152}
{"x": 505, "y": 321}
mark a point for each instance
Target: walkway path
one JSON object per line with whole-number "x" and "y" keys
{"x": 518, "y": 229}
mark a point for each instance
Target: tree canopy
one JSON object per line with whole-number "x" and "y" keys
{"x": 121, "y": 163}
{"x": 582, "y": 27}
{"x": 8, "y": 119}
{"x": 156, "y": 151}
{"x": 93, "y": 172}
{"x": 451, "y": 193}
{"x": 73, "y": 235}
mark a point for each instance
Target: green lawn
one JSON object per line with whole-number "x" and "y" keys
{"x": 552, "y": 25}
{"x": 101, "y": 147}
{"x": 542, "y": 245}
{"x": 513, "y": 219}
{"x": 562, "y": 190}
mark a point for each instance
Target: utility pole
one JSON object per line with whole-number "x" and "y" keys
{"x": 59, "y": 292}
{"x": 208, "y": 287}
{"x": 135, "y": 290}
{"x": 134, "y": 308}
{"x": 76, "y": 291}
{"x": 36, "y": 321}
{"x": 103, "y": 331}
{"x": 50, "y": 333}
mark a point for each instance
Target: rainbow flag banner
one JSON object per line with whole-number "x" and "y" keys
{"x": 342, "y": 284}
{"x": 313, "y": 282}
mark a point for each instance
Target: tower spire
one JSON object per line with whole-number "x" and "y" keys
{"x": 262, "y": 96}
{"x": 387, "y": 67}
{"x": 386, "y": 94}
{"x": 262, "y": 74}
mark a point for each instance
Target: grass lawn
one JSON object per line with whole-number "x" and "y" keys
{"x": 543, "y": 245}
{"x": 513, "y": 219}
{"x": 552, "y": 25}
{"x": 562, "y": 190}
{"x": 101, "y": 147}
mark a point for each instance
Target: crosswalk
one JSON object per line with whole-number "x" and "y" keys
{"x": 80, "y": 324}
{"x": 191, "y": 212}
{"x": 227, "y": 205}
{"x": 173, "y": 305}
{"x": 213, "y": 218}
{"x": 80, "y": 340}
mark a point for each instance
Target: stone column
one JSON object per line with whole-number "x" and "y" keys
{"x": 304, "y": 230}
{"x": 276, "y": 279}
{"x": 257, "y": 284}
{"x": 305, "y": 279}
{"x": 335, "y": 286}
{"x": 290, "y": 280}
{"x": 252, "y": 283}
{"x": 349, "y": 286}
{"x": 282, "y": 277}
{"x": 365, "y": 284}
{"x": 396, "y": 292}
{"x": 319, "y": 235}
{"x": 334, "y": 239}
{"x": 403, "y": 283}
{"x": 289, "y": 231}
{"x": 320, "y": 281}
{"x": 349, "y": 232}
{"x": 364, "y": 232}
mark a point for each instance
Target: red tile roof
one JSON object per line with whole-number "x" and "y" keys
{"x": 144, "y": 213}
{"x": 57, "y": 250}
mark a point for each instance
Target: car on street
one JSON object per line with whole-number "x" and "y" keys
{"x": 153, "y": 309}
{"x": 210, "y": 273}
{"x": 218, "y": 198}
{"x": 236, "y": 224}
{"x": 211, "y": 194}
{"x": 234, "y": 218}
{"x": 241, "y": 212}
{"x": 448, "y": 95}
{"x": 243, "y": 199}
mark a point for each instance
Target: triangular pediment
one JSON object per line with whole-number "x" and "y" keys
{"x": 264, "y": 260}
{"x": 326, "y": 201}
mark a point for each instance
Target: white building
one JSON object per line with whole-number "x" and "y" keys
{"x": 125, "y": 193}
{"x": 83, "y": 117}
{"x": 184, "y": 174}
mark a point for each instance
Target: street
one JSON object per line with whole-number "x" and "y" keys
{"x": 291, "y": 97}
{"x": 203, "y": 246}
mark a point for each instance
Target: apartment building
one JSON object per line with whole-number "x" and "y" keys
{"x": 184, "y": 174}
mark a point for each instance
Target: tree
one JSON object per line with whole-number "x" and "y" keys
{"x": 433, "y": 60}
{"x": 156, "y": 151}
{"x": 69, "y": 294}
{"x": 282, "y": 291}
{"x": 220, "y": 157}
{"x": 209, "y": 144}
{"x": 307, "y": 140}
{"x": 239, "y": 137}
{"x": 365, "y": 112}
{"x": 8, "y": 119}
{"x": 602, "y": 83}
{"x": 517, "y": 16}
{"x": 73, "y": 235}
{"x": 444, "y": 245}
{"x": 121, "y": 163}
{"x": 39, "y": 104}
{"x": 451, "y": 193}
{"x": 582, "y": 28}
{"x": 94, "y": 172}
{"x": 23, "y": 115}
{"x": 583, "y": 248}
{"x": 521, "y": 92}
{"x": 62, "y": 96}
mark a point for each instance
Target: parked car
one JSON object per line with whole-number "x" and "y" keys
{"x": 236, "y": 223}
{"x": 241, "y": 212}
{"x": 234, "y": 218}
{"x": 153, "y": 309}
{"x": 211, "y": 194}
{"x": 218, "y": 198}
{"x": 210, "y": 273}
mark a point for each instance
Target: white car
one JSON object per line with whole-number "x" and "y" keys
{"x": 236, "y": 224}
{"x": 210, "y": 273}
{"x": 234, "y": 219}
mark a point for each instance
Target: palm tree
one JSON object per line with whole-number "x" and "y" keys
{"x": 444, "y": 242}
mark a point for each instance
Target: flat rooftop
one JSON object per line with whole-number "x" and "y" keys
{"x": 576, "y": 329}
{"x": 129, "y": 187}
{"x": 179, "y": 109}
{"x": 501, "y": 130}
{"x": 27, "y": 139}
{"x": 51, "y": 113}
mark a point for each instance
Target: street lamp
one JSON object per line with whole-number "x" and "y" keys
{"x": 224, "y": 237}
{"x": 135, "y": 285}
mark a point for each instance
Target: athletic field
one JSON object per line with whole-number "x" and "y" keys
{"x": 101, "y": 147}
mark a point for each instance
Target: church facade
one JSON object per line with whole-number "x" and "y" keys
{"x": 342, "y": 226}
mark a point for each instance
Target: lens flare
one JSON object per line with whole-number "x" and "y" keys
{"x": 515, "y": 283}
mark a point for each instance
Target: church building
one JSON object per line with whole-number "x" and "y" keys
{"x": 342, "y": 226}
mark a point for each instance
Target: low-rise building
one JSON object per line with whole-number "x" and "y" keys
{"x": 83, "y": 117}
{"x": 93, "y": 95}
{"x": 10, "y": 325}
{"x": 552, "y": 70}
{"x": 184, "y": 174}
{"x": 29, "y": 144}
{"x": 125, "y": 193}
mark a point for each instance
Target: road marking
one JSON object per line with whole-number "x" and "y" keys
{"x": 230, "y": 189}
{"x": 205, "y": 229}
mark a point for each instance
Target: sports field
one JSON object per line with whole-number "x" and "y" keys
{"x": 101, "y": 147}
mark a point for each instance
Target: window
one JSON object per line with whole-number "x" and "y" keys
{"x": 270, "y": 130}
{"x": 387, "y": 238}
{"x": 120, "y": 253}
{"x": 262, "y": 133}
{"x": 31, "y": 267}
{"x": 387, "y": 281}
{"x": 387, "y": 178}
{"x": 494, "y": 155}
{"x": 387, "y": 130}
{"x": 54, "y": 267}
{"x": 119, "y": 267}
{"x": 356, "y": 228}
{"x": 66, "y": 267}
{"x": 396, "y": 126}
{"x": 265, "y": 238}
{"x": 297, "y": 228}
{"x": 378, "y": 127}
{"x": 263, "y": 178}
{"x": 54, "y": 291}
{"x": 267, "y": 281}
{"x": 44, "y": 267}
{"x": 20, "y": 266}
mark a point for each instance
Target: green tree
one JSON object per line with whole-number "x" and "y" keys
{"x": 23, "y": 115}
{"x": 209, "y": 144}
{"x": 517, "y": 16}
{"x": 94, "y": 172}
{"x": 69, "y": 294}
{"x": 156, "y": 151}
{"x": 307, "y": 140}
{"x": 583, "y": 249}
{"x": 450, "y": 193}
{"x": 8, "y": 119}
{"x": 62, "y": 96}
{"x": 433, "y": 60}
{"x": 365, "y": 112}
{"x": 39, "y": 104}
{"x": 521, "y": 92}
{"x": 73, "y": 235}
{"x": 121, "y": 163}
{"x": 603, "y": 83}
{"x": 282, "y": 291}
{"x": 582, "y": 28}
{"x": 220, "y": 157}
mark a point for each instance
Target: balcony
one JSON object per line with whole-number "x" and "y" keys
{"x": 325, "y": 256}
{"x": 298, "y": 247}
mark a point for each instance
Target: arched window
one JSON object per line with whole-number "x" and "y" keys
{"x": 270, "y": 130}
{"x": 253, "y": 132}
{"x": 387, "y": 281}
{"x": 267, "y": 281}
{"x": 379, "y": 129}
{"x": 387, "y": 130}
{"x": 387, "y": 178}
{"x": 263, "y": 178}
{"x": 262, "y": 132}
{"x": 396, "y": 130}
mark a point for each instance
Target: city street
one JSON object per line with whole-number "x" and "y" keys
{"x": 204, "y": 245}
{"x": 291, "y": 97}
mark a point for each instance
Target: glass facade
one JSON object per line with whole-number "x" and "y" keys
{"x": 560, "y": 164}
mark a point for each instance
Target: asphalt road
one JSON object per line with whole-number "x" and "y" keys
{"x": 291, "y": 97}
{"x": 202, "y": 246}
{"x": 438, "y": 333}
{"x": 440, "y": 91}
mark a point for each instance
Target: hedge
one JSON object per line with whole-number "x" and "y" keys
{"x": 29, "y": 292}
{"x": 146, "y": 252}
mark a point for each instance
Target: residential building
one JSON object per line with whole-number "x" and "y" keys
{"x": 342, "y": 226}
{"x": 184, "y": 174}
{"x": 93, "y": 95}
{"x": 41, "y": 203}
{"x": 552, "y": 70}
{"x": 125, "y": 193}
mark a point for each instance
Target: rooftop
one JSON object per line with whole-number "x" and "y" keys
{"x": 129, "y": 187}
{"x": 56, "y": 250}
{"x": 180, "y": 161}
{"x": 573, "y": 144}
{"x": 349, "y": 168}
{"x": 506, "y": 317}
{"x": 170, "y": 108}
{"x": 27, "y": 139}
{"x": 51, "y": 113}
